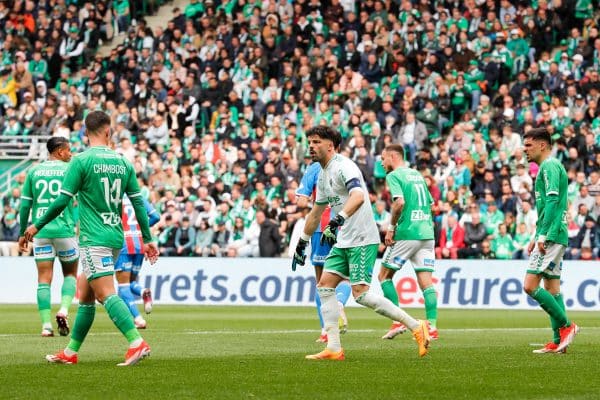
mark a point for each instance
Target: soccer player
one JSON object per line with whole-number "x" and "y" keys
{"x": 129, "y": 263}
{"x": 550, "y": 240}
{"x": 41, "y": 188}
{"x": 305, "y": 192}
{"x": 409, "y": 236}
{"x": 101, "y": 177}
{"x": 342, "y": 186}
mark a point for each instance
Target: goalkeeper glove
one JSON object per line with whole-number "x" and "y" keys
{"x": 300, "y": 254}
{"x": 330, "y": 231}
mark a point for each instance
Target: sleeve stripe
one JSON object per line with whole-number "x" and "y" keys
{"x": 26, "y": 198}
{"x": 138, "y": 194}
{"x": 67, "y": 193}
{"x": 552, "y": 192}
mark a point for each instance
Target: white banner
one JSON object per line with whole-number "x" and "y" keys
{"x": 270, "y": 281}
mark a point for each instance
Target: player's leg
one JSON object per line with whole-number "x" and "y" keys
{"x": 318, "y": 253}
{"x": 67, "y": 250}
{"x": 361, "y": 260}
{"x": 123, "y": 268}
{"x": 44, "y": 254}
{"x": 84, "y": 319}
{"x": 342, "y": 293}
{"x": 392, "y": 262}
{"x": 423, "y": 262}
{"x": 136, "y": 266}
{"x": 552, "y": 285}
{"x": 100, "y": 277}
{"x": 548, "y": 265}
{"x": 335, "y": 269}
{"x": 44, "y": 303}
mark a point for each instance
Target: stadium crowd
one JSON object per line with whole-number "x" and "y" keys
{"x": 212, "y": 108}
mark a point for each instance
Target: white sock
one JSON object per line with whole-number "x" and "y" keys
{"x": 383, "y": 306}
{"x": 69, "y": 352}
{"x": 331, "y": 313}
{"x": 135, "y": 343}
{"x": 63, "y": 311}
{"x": 47, "y": 325}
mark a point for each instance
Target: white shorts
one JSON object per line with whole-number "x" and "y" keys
{"x": 67, "y": 249}
{"x": 420, "y": 253}
{"x": 549, "y": 264}
{"x": 98, "y": 261}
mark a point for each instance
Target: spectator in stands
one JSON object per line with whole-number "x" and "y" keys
{"x": 587, "y": 241}
{"x": 166, "y": 237}
{"x": 269, "y": 237}
{"x": 475, "y": 234}
{"x": 185, "y": 238}
{"x": 451, "y": 240}
{"x": 9, "y": 245}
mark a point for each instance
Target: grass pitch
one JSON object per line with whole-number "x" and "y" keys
{"x": 258, "y": 353}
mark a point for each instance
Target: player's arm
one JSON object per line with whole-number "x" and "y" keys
{"x": 551, "y": 180}
{"x": 24, "y": 211}
{"x": 153, "y": 215}
{"x": 135, "y": 196}
{"x": 397, "y": 207}
{"x": 312, "y": 222}
{"x": 70, "y": 186}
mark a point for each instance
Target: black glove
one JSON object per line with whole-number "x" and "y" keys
{"x": 300, "y": 254}
{"x": 330, "y": 231}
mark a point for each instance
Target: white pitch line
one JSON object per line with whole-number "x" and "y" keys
{"x": 299, "y": 331}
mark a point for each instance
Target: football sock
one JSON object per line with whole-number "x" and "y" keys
{"x": 549, "y": 304}
{"x": 136, "y": 288}
{"x": 555, "y": 326}
{"x": 430, "y": 305}
{"x": 389, "y": 291}
{"x": 67, "y": 293}
{"x": 127, "y": 296}
{"x": 43, "y": 301}
{"x": 343, "y": 292}
{"x": 331, "y": 313}
{"x": 385, "y": 307}
{"x": 318, "y": 303}
{"x": 83, "y": 322}
{"x": 119, "y": 314}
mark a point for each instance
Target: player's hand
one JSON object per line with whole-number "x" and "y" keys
{"x": 151, "y": 252}
{"x": 541, "y": 247}
{"x": 530, "y": 247}
{"x": 299, "y": 257}
{"x": 23, "y": 244}
{"x": 330, "y": 232}
{"x": 389, "y": 238}
{"x": 30, "y": 232}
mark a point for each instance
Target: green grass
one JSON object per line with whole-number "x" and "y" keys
{"x": 258, "y": 353}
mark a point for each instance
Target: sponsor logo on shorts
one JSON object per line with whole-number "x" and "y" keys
{"x": 67, "y": 253}
{"x": 429, "y": 262}
{"x": 399, "y": 261}
{"x": 107, "y": 262}
{"x": 42, "y": 250}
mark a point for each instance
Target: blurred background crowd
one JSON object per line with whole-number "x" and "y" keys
{"x": 211, "y": 108}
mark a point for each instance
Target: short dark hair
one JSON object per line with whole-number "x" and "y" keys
{"x": 325, "y": 132}
{"x": 397, "y": 148}
{"x": 539, "y": 134}
{"x": 95, "y": 121}
{"x": 55, "y": 143}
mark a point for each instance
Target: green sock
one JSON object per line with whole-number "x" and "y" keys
{"x": 68, "y": 291}
{"x": 555, "y": 325}
{"x": 549, "y": 304}
{"x": 430, "y": 305}
{"x": 82, "y": 325}
{"x": 389, "y": 291}
{"x": 43, "y": 301}
{"x": 119, "y": 313}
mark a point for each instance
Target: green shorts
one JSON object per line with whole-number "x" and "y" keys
{"x": 353, "y": 263}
